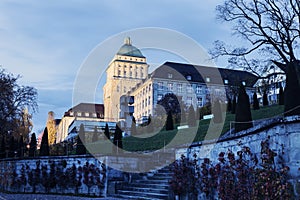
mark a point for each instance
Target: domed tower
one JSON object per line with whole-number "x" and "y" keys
{"x": 125, "y": 71}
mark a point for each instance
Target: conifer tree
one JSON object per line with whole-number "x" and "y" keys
{"x": 281, "y": 96}
{"x": 192, "y": 117}
{"x": 169, "y": 122}
{"x": 44, "y": 151}
{"x": 95, "y": 134}
{"x": 255, "y": 102}
{"x": 265, "y": 99}
{"x": 32, "y": 148}
{"x": 133, "y": 126}
{"x": 21, "y": 147}
{"x": 106, "y": 131}
{"x": 149, "y": 125}
{"x": 80, "y": 149}
{"x": 118, "y": 139}
{"x": 217, "y": 112}
{"x": 229, "y": 105}
{"x": 243, "y": 116}
{"x": 233, "y": 105}
{"x": 3, "y": 148}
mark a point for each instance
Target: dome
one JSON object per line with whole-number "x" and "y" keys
{"x": 128, "y": 50}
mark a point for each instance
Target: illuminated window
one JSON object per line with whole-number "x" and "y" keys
{"x": 199, "y": 101}
{"x": 159, "y": 97}
{"x": 244, "y": 83}
{"x": 226, "y": 81}
{"x": 170, "y": 75}
{"x": 198, "y": 89}
{"x": 189, "y": 77}
{"x": 160, "y": 85}
{"x": 170, "y": 86}
{"x": 207, "y": 79}
{"x": 179, "y": 87}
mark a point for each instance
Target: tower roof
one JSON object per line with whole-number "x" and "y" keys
{"x": 129, "y": 50}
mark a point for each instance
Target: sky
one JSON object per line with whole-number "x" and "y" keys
{"x": 46, "y": 42}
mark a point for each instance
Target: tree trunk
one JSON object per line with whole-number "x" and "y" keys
{"x": 292, "y": 89}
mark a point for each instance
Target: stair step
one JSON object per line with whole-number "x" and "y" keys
{"x": 124, "y": 196}
{"x": 151, "y": 181}
{"x": 152, "y": 185}
{"x": 143, "y": 194}
{"x": 146, "y": 189}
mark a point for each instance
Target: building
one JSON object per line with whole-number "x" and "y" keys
{"x": 90, "y": 115}
{"x": 196, "y": 85}
{"x": 125, "y": 71}
{"x": 131, "y": 90}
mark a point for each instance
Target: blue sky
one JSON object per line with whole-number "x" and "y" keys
{"x": 47, "y": 41}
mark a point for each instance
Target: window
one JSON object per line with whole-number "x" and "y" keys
{"x": 207, "y": 79}
{"x": 170, "y": 86}
{"x": 199, "y": 102}
{"x": 149, "y": 100}
{"x": 160, "y": 85}
{"x": 226, "y": 81}
{"x": 79, "y": 114}
{"x": 124, "y": 73}
{"x": 119, "y": 72}
{"x": 130, "y": 74}
{"x": 170, "y": 75}
{"x": 189, "y": 77}
{"x": 142, "y": 75}
{"x": 179, "y": 87}
{"x": 136, "y": 74}
{"x": 244, "y": 83}
{"x": 87, "y": 114}
{"x": 198, "y": 89}
{"x": 189, "y": 88}
{"x": 71, "y": 113}
{"x": 159, "y": 97}
{"x": 94, "y": 114}
{"x": 189, "y": 101}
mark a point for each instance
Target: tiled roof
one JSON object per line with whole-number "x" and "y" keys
{"x": 88, "y": 107}
{"x": 198, "y": 73}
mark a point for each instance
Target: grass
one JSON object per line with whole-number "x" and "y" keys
{"x": 205, "y": 131}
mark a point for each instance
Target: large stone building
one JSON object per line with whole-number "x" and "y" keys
{"x": 125, "y": 71}
{"x": 131, "y": 90}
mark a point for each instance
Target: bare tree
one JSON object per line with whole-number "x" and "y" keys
{"x": 14, "y": 99}
{"x": 271, "y": 31}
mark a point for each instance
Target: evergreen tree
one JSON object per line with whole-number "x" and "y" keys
{"x": 233, "y": 105}
{"x": 229, "y": 105}
{"x": 217, "y": 112}
{"x": 169, "y": 122}
{"x": 80, "y": 149}
{"x": 265, "y": 99}
{"x": 149, "y": 125}
{"x": 118, "y": 139}
{"x": 44, "y": 151}
{"x": 21, "y": 147}
{"x": 281, "y": 96}
{"x": 192, "y": 117}
{"x": 106, "y": 131}
{"x": 3, "y": 148}
{"x": 32, "y": 148}
{"x": 255, "y": 102}
{"x": 133, "y": 126}
{"x": 243, "y": 113}
{"x": 95, "y": 134}
{"x": 11, "y": 148}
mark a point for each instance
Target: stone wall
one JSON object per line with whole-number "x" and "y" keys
{"x": 283, "y": 134}
{"x": 82, "y": 175}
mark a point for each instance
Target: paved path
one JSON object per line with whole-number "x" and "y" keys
{"x": 4, "y": 196}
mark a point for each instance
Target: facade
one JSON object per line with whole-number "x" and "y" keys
{"x": 86, "y": 113}
{"x": 130, "y": 90}
{"x": 196, "y": 85}
{"x": 126, "y": 70}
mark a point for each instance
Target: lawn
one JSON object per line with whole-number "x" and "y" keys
{"x": 205, "y": 131}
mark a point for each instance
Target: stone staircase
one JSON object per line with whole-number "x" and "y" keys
{"x": 152, "y": 185}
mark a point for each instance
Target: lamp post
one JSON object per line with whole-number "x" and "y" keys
{"x": 274, "y": 87}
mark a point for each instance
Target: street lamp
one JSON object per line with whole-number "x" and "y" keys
{"x": 274, "y": 87}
